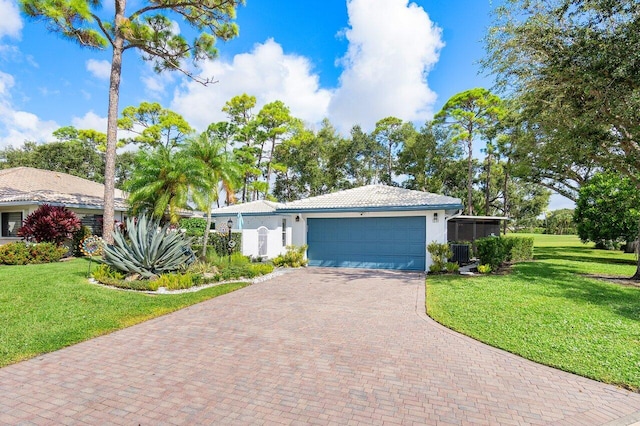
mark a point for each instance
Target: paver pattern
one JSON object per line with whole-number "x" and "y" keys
{"x": 314, "y": 346}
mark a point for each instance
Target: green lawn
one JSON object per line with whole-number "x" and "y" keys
{"x": 550, "y": 312}
{"x": 47, "y": 307}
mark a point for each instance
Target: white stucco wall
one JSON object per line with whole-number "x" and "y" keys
{"x": 297, "y": 230}
{"x": 250, "y": 237}
{"x": 435, "y": 231}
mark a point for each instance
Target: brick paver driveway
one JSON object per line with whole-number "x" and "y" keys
{"x": 314, "y": 346}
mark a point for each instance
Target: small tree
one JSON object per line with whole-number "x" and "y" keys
{"x": 607, "y": 210}
{"x": 51, "y": 224}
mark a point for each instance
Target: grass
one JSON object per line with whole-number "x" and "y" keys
{"x": 550, "y": 311}
{"x": 47, "y": 307}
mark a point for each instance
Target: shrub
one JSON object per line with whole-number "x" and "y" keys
{"x": 484, "y": 269}
{"x": 148, "y": 250}
{"x": 440, "y": 252}
{"x": 78, "y": 236}
{"x": 262, "y": 268}
{"x": 220, "y": 242}
{"x": 50, "y": 224}
{"x": 491, "y": 251}
{"x": 193, "y": 226}
{"x": 104, "y": 273}
{"x": 21, "y": 253}
{"x": 178, "y": 281}
{"x": 518, "y": 249}
{"x": 293, "y": 258}
{"x": 452, "y": 267}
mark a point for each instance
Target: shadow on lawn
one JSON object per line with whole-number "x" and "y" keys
{"x": 568, "y": 283}
{"x": 580, "y": 254}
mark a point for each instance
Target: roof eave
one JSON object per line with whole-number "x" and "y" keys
{"x": 370, "y": 209}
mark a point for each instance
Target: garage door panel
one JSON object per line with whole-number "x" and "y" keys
{"x": 379, "y": 243}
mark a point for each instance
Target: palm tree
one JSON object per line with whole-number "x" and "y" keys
{"x": 162, "y": 180}
{"x": 223, "y": 173}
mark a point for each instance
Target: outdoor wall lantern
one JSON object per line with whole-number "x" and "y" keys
{"x": 297, "y": 218}
{"x": 435, "y": 218}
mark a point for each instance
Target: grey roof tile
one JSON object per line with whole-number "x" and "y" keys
{"x": 373, "y": 196}
{"x": 260, "y": 206}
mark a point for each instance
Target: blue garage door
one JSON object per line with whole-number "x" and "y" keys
{"x": 372, "y": 242}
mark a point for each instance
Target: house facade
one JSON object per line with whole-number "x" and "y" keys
{"x": 24, "y": 189}
{"x": 374, "y": 226}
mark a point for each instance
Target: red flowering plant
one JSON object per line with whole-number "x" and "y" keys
{"x": 52, "y": 224}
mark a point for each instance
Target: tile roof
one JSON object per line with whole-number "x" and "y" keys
{"x": 260, "y": 206}
{"x": 27, "y": 184}
{"x": 378, "y": 197}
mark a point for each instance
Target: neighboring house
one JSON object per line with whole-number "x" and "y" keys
{"x": 374, "y": 226}
{"x": 24, "y": 189}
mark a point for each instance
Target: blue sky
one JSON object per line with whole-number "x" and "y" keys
{"x": 353, "y": 61}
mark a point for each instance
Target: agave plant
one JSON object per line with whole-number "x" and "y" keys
{"x": 148, "y": 249}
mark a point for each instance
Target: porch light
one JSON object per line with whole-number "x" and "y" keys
{"x": 435, "y": 218}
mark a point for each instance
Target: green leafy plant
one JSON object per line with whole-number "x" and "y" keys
{"x": 484, "y": 269}
{"x": 193, "y": 226}
{"x": 439, "y": 252}
{"x": 452, "y": 267}
{"x": 518, "y": 249}
{"x": 178, "y": 281}
{"x": 491, "y": 251}
{"x": 148, "y": 249}
{"x": 50, "y": 224}
{"x": 105, "y": 273}
{"x": 22, "y": 253}
{"x": 293, "y": 258}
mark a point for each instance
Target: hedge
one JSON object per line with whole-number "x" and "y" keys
{"x": 495, "y": 251}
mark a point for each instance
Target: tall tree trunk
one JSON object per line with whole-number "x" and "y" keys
{"x": 268, "y": 177}
{"x": 390, "y": 165}
{"x": 487, "y": 189}
{"x": 205, "y": 239}
{"x": 505, "y": 196}
{"x": 112, "y": 126}
{"x": 636, "y": 276}
{"x": 470, "y": 177}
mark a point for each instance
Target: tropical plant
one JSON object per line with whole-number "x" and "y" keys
{"x": 219, "y": 168}
{"x": 439, "y": 252}
{"x": 162, "y": 181}
{"x": 148, "y": 249}
{"x": 293, "y": 258}
{"x": 51, "y": 224}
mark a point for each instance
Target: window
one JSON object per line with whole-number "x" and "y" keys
{"x": 11, "y": 222}
{"x": 284, "y": 232}
{"x": 262, "y": 241}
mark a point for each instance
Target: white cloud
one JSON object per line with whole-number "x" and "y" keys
{"x": 90, "y": 120}
{"x": 17, "y": 126}
{"x": 11, "y": 22}
{"x": 99, "y": 69}
{"x": 266, "y": 73}
{"x": 392, "y": 46}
